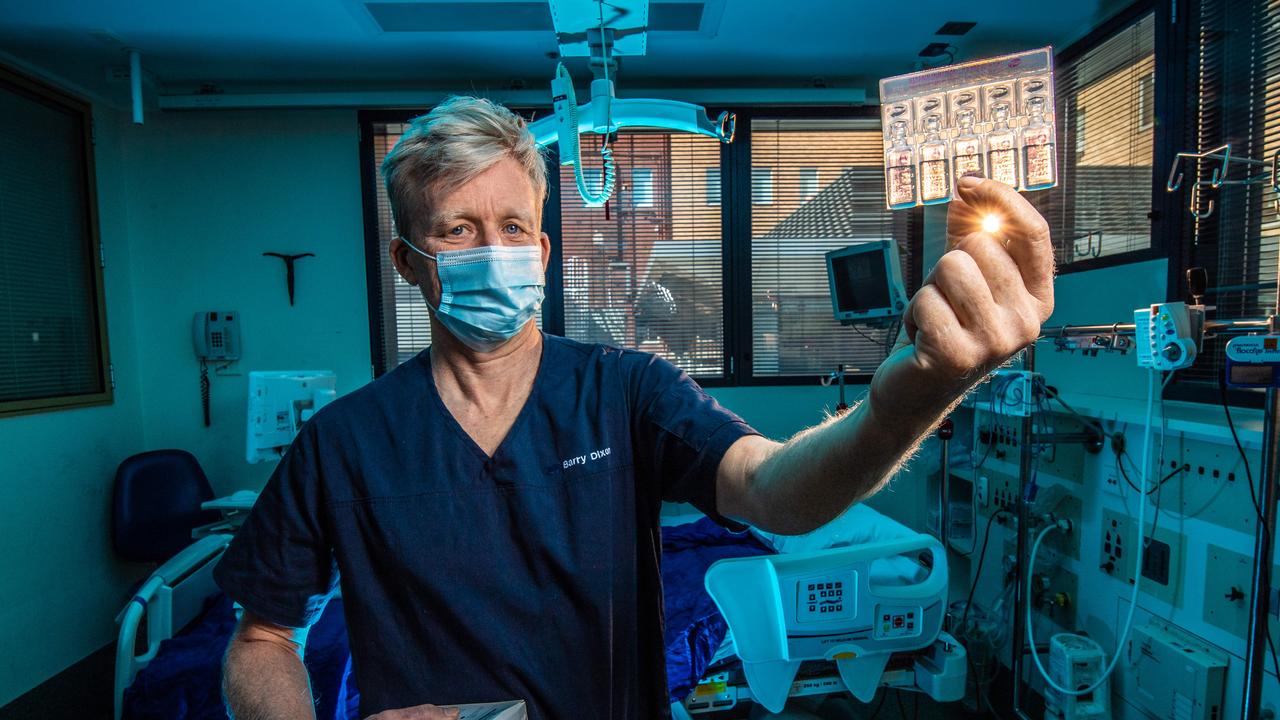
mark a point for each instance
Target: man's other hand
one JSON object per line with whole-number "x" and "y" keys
{"x": 420, "y": 712}
{"x": 984, "y": 301}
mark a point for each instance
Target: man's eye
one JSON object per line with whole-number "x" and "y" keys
{"x": 458, "y": 230}
{"x": 514, "y": 228}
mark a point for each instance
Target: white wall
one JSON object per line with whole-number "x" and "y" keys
{"x": 60, "y": 584}
{"x": 209, "y": 193}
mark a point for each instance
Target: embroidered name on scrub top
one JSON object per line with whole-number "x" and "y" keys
{"x": 582, "y": 459}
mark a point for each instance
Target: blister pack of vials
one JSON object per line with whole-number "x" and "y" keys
{"x": 991, "y": 118}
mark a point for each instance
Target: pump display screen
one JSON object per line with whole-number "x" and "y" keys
{"x": 861, "y": 282}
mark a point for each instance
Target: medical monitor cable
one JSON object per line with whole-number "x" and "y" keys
{"x": 1257, "y": 508}
{"x": 1137, "y": 575}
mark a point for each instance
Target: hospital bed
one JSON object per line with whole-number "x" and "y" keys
{"x": 175, "y": 672}
{"x": 854, "y": 606}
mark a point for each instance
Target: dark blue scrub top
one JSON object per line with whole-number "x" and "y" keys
{"x": 533, "y": 574}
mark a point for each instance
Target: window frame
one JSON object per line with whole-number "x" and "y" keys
{"x": 735, "y": 203}
{"x": 737, "y": 182}
{"x": 93, "y": 249}
{"x": 1118, "y": 23}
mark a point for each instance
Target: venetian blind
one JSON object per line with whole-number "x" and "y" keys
{"x": 50, "y": 343}
{"x": 1237, "y": 102}
{"x": 646, "y": 270}
{"x": 816, "y": 186}
{"x": 1106, "y": 125}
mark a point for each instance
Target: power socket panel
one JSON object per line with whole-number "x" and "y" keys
{"x": 1162, "y": 560}
{"x": 1225, "y": 571}
{"x": 1001, "y": 491}
{"x": 1214, "y": 487}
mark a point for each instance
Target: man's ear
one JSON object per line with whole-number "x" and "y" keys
{"x": 399, "y": 253}
{"x": 546, "y": 251}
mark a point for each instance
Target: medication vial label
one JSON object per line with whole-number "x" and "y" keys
{"x": 969, "y": 159}
{"x": 902, "y": 185}
{"x": 1039, "y": 164}
{"x": 1004, "y": 166}
{"x": 934, "y": 182}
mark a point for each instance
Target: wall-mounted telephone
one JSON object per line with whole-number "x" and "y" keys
{"x": 216, "y": 335}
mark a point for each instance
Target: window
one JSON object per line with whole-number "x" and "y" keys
{"x": 712, "y": 185}
{"x": 400, "y": 326}
{"x": 808, "y": 182}
{"x": 1081, "y": 132}
{"x": 762, "y": 186}
{"x": 642, "y": 188}
{"x": 1235, "y": 66}
{"x": 649, "y": 274}
{"x": 53, "y": 337}
{"x": 1101, "y": 203}
{"x": 1146, "y": 101}
{"x": 793, "y": 332}
{"x": 593, "y": 178}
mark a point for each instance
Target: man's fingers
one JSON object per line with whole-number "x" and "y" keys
{"x": 1004, "y": 279}
{"x": 967, "y": 291}
{"x": 1026, "y": 230}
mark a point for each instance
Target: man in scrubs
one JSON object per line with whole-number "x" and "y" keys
{"x": 490, "y": 507}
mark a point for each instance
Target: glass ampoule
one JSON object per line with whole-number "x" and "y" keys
{"x": 1002, "y": 147}
{"x": 1039, "y": 168}
{"x": 935, "y": 172}
{"x": 967, "y": 147}
{"x": 900, "y": 161}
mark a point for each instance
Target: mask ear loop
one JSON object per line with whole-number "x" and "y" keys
{"x": 417, "y": 249}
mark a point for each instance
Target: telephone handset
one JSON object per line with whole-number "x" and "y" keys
{"x": 216, "y": 335}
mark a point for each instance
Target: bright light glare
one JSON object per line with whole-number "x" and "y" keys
{"x": 991, "y": 224}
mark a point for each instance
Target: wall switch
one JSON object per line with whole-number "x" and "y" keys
{"x": 980, "y": 490}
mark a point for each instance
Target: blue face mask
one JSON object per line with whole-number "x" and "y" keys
{"x": 487, "y": 294}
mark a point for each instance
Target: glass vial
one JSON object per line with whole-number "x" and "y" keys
{"x": 900, "y": 162}
{"x": 1039, "y": 166}
{"x": 935, "y": 173}
{"x": 1002, "y": 147}
{"x": 967, "y": 147}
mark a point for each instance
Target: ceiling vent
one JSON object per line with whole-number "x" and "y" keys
{"x": 430, "y": 16}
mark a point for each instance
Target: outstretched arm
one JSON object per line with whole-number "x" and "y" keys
{"x": 984, "y": 301}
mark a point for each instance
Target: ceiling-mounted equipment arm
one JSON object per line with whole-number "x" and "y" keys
{"x": 642, "y": 112}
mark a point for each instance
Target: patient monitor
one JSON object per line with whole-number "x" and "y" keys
{"x": 866, "y": 283}
{"x": 279, "y": 403}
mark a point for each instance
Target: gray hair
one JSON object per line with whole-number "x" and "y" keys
{"x": 459, "y": 139}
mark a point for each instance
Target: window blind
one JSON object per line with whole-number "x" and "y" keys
{"x": 1236, "y": 56}
{"x": 401, "y": 313}
{"x": 646, "y": 271}
{"x": 1105, "y": 112}
{"x": 51, "y": 342}
{"x": 824, "y": 182}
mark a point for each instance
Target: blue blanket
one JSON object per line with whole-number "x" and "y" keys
{"x": 694, "y": 626}
{"x": 184, "y": 680}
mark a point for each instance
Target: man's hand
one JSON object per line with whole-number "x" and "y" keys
{"x": 420, "y": 712}
{"x": 984, "y": 301}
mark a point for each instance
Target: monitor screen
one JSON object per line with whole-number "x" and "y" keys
{"x": 861, "y": 282}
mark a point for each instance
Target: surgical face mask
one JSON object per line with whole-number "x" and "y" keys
{"x": 487, "y": 294}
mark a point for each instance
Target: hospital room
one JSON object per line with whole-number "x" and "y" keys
{"x": 639, "y": 359}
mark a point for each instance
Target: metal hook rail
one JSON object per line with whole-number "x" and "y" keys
{"x": 1221, "y": 176}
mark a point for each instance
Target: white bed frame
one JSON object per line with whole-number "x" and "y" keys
{"x": 169, "y": 599}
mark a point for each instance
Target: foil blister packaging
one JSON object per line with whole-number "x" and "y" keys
{"x": 991, "y": 118}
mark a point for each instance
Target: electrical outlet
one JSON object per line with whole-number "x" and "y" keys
{"x": 1001, "y": 492}
{"x": 1228, "y": 585}
{"x": 1119, "y": 550}
{"x": 980, "y": 491}
{"x": 1208, "y": 482}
